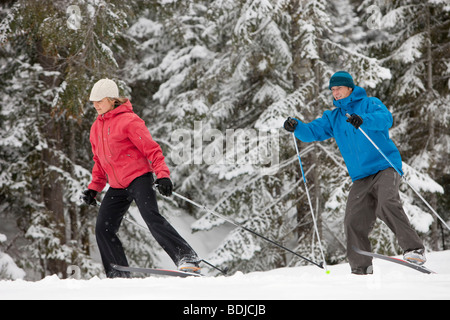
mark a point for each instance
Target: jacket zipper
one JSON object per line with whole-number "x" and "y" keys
{"x": 104, "y": 151}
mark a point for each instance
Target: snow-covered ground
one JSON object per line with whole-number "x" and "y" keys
{"x": 389, "y": 281}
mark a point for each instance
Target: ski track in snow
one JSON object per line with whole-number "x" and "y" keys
{"x": 389, "y": 281}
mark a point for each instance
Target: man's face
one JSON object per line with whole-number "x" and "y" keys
{"x": 341, "y": 92}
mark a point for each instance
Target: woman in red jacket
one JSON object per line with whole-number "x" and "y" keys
{"x": 126, "y": 157}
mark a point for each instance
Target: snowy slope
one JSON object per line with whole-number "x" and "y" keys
{"x": 390, "y": 281}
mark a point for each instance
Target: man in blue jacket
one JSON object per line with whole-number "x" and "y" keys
{"x": 375, "y": 189}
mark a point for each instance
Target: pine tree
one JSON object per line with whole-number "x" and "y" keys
{"x": 413, "y": 42}
{"x": 8, "y": 268}
{"x": 51, "y": 62}
{"x": 276, "y": 62}
{"x": 214, "y": 81}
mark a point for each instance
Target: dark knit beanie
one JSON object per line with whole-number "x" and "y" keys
{"x": 341, "y": 78}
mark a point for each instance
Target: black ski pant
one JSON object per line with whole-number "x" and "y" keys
{"x": 112, "y": 210}
{"x": 369, "y": 198}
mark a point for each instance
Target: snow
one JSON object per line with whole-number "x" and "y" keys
{"x": 410, "y": 50}
{"x": 389, "y": 281}
{"x": 420, "y": 220}
{"x": 8, "y": 268}
{"x": 421, "y": 181}
{"x": 145, "y": 27}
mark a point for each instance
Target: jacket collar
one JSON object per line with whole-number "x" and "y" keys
{"x": 123, "y": 108}
{"x": 357, "y": 95}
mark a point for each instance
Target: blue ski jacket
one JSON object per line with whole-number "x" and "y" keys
{"x": 360, "y": 156}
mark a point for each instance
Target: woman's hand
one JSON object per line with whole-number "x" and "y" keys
{"x": 165, "y": 186}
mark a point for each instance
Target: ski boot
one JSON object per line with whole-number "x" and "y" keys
{"x": 363, "y": 270}
{"x": 415, "y": 256}
{"x": 189, "y": 266}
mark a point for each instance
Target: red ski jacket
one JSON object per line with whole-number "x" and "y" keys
{"x": 123, "y": 149}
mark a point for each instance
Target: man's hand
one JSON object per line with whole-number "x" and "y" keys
{"x": 355, "y": 120}
{"x": 290, "y": 124}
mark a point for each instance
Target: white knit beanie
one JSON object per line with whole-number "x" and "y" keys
{"x": 104, "y": 88}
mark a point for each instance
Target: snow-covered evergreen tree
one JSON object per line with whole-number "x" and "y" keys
{"x": 217, "y": 78}
{"x": 8, "y": 268}
{"x": 50, "y": 63}
{"x": 412, "y": 41}
{"x": 275, "y": 62}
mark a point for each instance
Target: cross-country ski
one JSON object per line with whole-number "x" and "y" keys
{"x": 419, "y": 268}
{"x": 160, "y": 272}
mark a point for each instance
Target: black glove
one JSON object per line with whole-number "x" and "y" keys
{"x": 290, "y": 124}
{"x": 355, "y": 120}
{"x": 165, "y": 186}
{"x": 89, "y": 197}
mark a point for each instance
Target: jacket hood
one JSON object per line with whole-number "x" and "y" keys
{"x": 357, "y": 95}
{"x": 123, "y": 108}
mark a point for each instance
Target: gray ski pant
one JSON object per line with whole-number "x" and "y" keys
{"x": 371, "y": 197}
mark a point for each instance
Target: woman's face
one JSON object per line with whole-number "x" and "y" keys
{"x": 103, "y": 106}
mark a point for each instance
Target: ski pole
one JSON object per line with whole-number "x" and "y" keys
{"x": 310, "y": 203}
{"x": 223, "y": 271}
{"x": 246, "y": 229}
{"x": 404, "y": 179}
